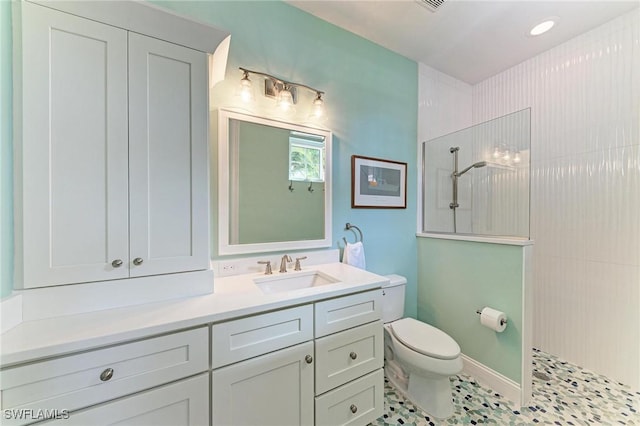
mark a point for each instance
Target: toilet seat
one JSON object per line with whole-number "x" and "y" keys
{"x": 425, "y": 339}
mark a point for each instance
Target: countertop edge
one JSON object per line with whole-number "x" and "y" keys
{"x": 141, "y": 322}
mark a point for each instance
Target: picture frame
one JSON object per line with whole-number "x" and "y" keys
{"x": 377, "y": 183}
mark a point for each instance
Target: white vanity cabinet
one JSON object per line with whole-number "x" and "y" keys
{"x": 111, "y": 151}
{"x": 269, "y": 369}
{"x": 87, "y": 379}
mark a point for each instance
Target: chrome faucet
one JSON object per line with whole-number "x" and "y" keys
{"x": 283, "y": 263}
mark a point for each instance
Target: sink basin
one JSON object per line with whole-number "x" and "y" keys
{"x": 294, "y": 281}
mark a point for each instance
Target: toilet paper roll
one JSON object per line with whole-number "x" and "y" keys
{"x": 493, "y": 319}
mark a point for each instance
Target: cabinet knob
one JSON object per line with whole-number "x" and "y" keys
{"x": 309, "y": 359}
{"x": 106, "y": 374}
{"x": 353, "y": 355}
{"x": 116, "y": 263}
{"x": 137, "y": 261}
{"x": 353, "y": 408}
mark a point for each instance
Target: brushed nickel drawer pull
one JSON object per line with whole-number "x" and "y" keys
{"x": 116, "y": 263}
{"x": 106, "y": 375}
{"x": 353, "y": 355}
{"x": 309, "y": 359}
{"x": 353, "y": 408}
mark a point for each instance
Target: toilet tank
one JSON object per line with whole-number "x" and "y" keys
{"x": 393, "y": 298}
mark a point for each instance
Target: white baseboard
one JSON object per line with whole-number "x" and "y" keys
{"x": 10, "y": 312}
{"x": 492, "y": 379}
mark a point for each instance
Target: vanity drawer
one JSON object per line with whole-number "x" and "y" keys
{"x": 88, "y": 378}
{"x": 357, "y": 403}
{"x": 245, "y": 338}
{"x": 183, "y": 403}
{"x": 348, "y": 355}
{"x": 346, "y": 312}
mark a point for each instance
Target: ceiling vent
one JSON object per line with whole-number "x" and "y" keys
{"x": 432, "y": 5}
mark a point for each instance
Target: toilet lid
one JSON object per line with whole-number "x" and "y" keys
{"x": 425, "y": 339}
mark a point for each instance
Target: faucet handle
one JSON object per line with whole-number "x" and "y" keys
{"x": 267, "y": 269}
{"x": 297, "y": 266}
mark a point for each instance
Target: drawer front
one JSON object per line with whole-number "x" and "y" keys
{"x": 75, "y": 381}
{"x": 348, "y": 355}
{"x": 346, "y": 312}
{"x": 357, "y": 403}
{"x": 184, "y": 403}
{"x": 245, "y": 338}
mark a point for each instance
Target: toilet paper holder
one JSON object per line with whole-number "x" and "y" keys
{"x": 502, "y": 321}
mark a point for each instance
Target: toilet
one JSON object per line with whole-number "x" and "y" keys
{"x": 419, "y": 358}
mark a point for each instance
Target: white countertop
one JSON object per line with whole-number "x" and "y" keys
{"x": 234, "y": 296}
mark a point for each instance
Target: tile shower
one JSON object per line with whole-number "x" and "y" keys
{"x": 584, "y": 97}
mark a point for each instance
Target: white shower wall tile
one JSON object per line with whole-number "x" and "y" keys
{"x": 585, "y": 206}
{"x": 585, "y": 192}
{"x": 444, "y": 104}
{"x": 594, "y": 315}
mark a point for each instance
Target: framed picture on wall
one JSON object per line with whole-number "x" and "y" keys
{"x": 378, "y": 183}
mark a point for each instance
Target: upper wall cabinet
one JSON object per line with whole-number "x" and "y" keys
{"x": 111, "y": 167}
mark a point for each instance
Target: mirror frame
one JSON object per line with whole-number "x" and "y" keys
{"x": 224, "y": 245}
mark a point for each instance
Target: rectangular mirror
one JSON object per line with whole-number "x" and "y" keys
{"x": 274, "y": 185}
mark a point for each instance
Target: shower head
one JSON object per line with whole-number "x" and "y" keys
{"x": 473, "y": 166}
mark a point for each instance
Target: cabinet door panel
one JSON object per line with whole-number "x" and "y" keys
{"x": 274, "y": 389}
{"x": 168, "y": 157}
{"x": 74, "y": 154}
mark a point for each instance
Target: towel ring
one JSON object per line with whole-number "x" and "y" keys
{"x": 350, "y": 227}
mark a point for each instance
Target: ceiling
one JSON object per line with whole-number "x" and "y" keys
{"x": 470, "y": 40}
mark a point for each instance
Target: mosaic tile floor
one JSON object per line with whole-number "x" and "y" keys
{"x": 571, "y": 396}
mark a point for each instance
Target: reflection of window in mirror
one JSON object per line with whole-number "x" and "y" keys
{"x": 306, "y": 157}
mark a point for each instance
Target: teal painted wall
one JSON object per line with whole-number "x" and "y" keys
{"x": 457, "y": 278}
{"x": 6, "y": 152}
{"x": 371, "y": 100}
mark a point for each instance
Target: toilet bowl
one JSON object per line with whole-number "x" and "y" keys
{"x": 419, "y": 358}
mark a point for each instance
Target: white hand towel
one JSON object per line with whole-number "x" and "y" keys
{"x": 354, "y": 255}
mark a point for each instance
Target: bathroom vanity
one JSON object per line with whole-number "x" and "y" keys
{"x": 122, "y": 320}
{"x": 238, "y": 356}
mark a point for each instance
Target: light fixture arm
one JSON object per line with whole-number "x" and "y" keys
{"x": 284, "y": 83}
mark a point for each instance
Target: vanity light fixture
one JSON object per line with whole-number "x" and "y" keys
{"x": 284, "y": 99}
{"x": 317, "y": 110}
{"x": 246, "y": 88}
{"x": 285, "y": 92}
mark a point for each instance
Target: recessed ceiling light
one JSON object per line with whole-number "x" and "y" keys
{"x": 543, "y": 26}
